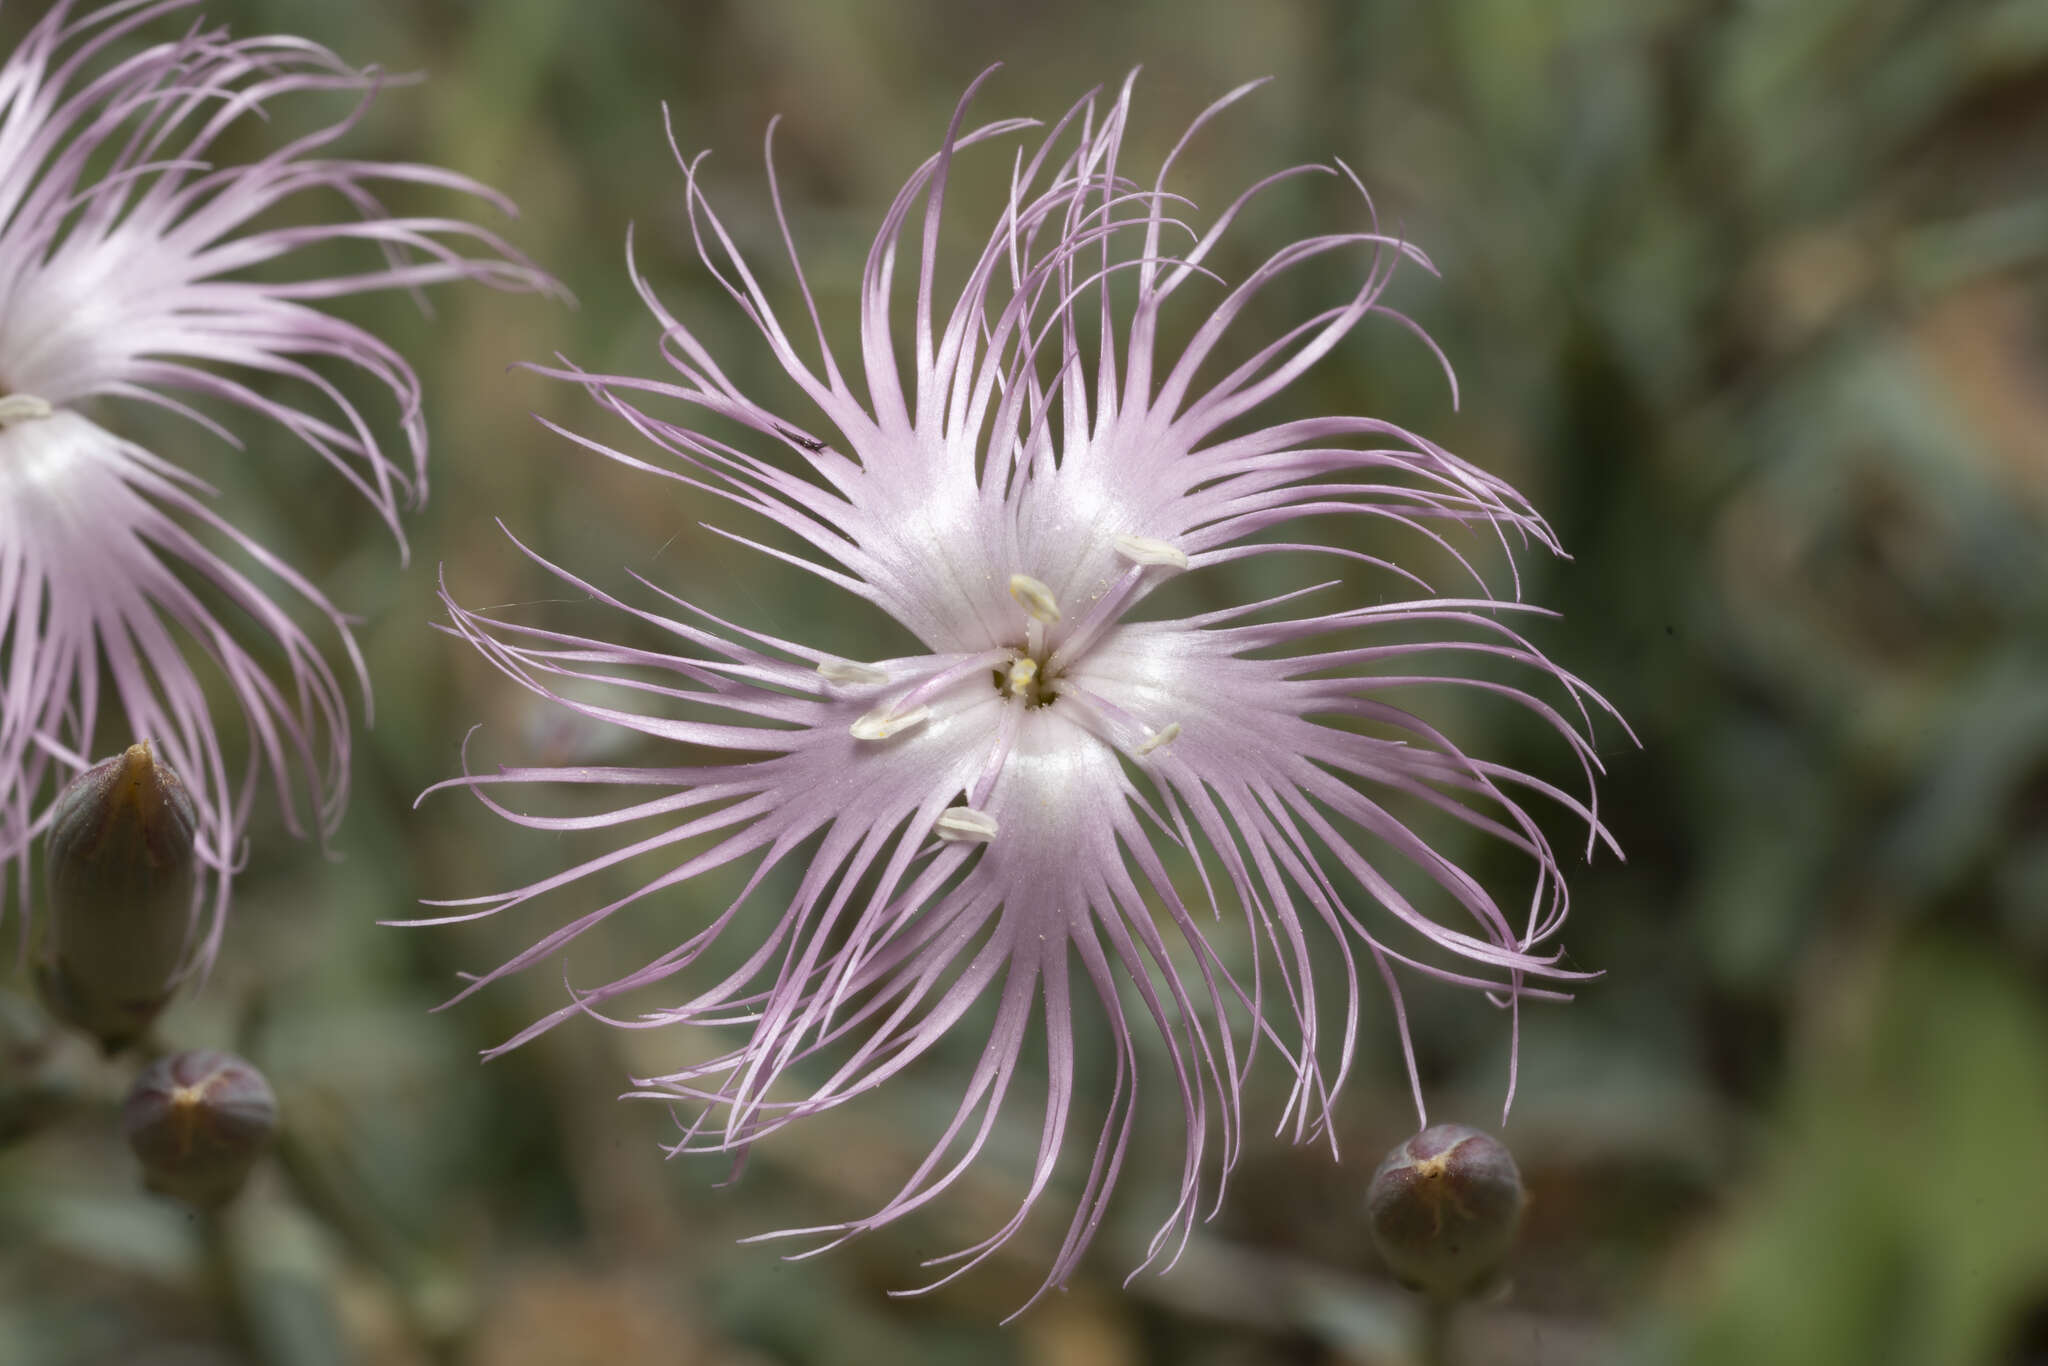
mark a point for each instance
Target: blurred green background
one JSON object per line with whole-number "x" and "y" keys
{"x": 1749, "y": 299}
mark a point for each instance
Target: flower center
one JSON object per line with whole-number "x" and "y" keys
{"x": 1026, "y": 681}
{"x": 1026, "y": 677}
{"x": 1031, "y": 671}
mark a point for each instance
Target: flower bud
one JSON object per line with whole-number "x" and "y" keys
{"x": 198, "y": 1121}
{"x": 122, "y": 880}
{"x": 1444, "y": 1207}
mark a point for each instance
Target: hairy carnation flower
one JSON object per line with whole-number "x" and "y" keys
{"x": 125, "y": 255}
{"x": 998, "y": 816}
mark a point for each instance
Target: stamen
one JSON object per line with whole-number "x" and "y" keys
{"x": 961, "y": 824}
{"x": 1146, "y": 550}
{"x": 1098, "y": 616}
{"x": 851, "y": 671}
{"x": 1160, "y": 738}
{"x": 22, "y": 408}
{"x": 1034, "y": 597}
{"x": 1022, "y": 674}
{"x": 882, "y": 723}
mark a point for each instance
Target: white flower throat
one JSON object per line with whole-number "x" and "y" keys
{"x": 1030, "y": 673}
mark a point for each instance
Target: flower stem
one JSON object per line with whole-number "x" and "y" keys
{"x": 1436, "y": 1332}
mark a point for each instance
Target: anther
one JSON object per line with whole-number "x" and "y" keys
{"x": 1023, "y": 673}
{"x": 1160, "y": 738}
{"x": 882, "y": 723}
{"x": 1034, "y": 597}
{"x": 1146, "y": 550}
{"x": 963, "y": 824}
{"x": 851, "y": 671}
{"x": 22, "y": 408}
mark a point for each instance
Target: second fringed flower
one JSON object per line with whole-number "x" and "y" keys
{"x": 136, "y": 267}
{"x": 1050, "y": 796}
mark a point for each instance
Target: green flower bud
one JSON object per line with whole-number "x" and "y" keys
{"x": 122, "y": 880}
{"x": 1444, "y": 1207}
{"x": 198, "y": 1121}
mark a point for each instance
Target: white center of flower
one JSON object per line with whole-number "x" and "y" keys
{"x": 16, "y": 408}
{"x": 1033, "y": 672}
{"x": 1028, "y": 672}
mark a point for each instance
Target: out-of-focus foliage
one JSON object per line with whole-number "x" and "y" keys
{"x": 1752, "y": 299}
{"x": 1898, "y": 1216}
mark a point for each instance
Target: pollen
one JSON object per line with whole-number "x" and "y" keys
{"x": 883, "y": 722}
{"x": 1025, "y": 679}
{"x": 851, "y": 671}
{"x": 22, "y": 408}
{"x": 963, "y": 825}
{"x": 1146, "y": 550}
{"x": 1034, "y": 597}
{"x": 1160, "y": 738}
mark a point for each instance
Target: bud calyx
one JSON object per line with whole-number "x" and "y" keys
{"x": 122, "y": 880}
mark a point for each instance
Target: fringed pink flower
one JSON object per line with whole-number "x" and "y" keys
{"x": 1194, "y": 820}
{"x": 125, "y": 257}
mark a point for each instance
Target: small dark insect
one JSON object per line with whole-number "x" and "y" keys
{"x": 811, "y": 444}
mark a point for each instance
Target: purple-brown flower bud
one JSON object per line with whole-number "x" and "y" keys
{"x": 198, "y": 1121}
{"x": 1444, "y": 1207}
{"x": 122, "y": 882}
